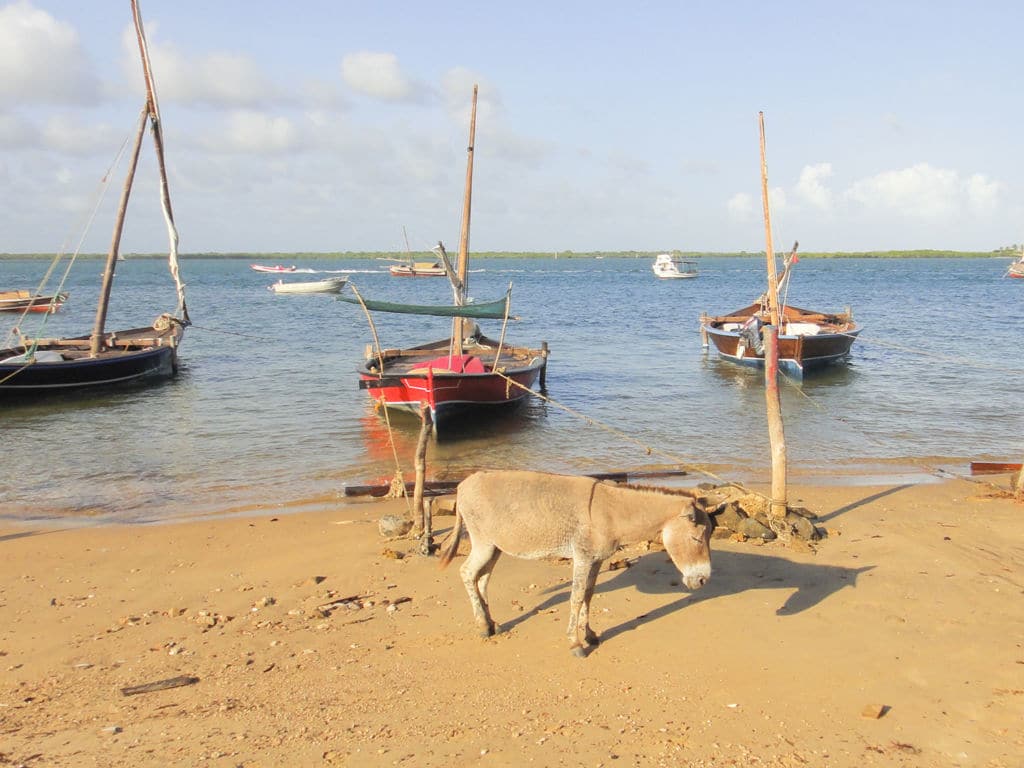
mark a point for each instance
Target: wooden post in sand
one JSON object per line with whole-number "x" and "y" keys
{"x": 421, "y": 510}
{"x": 776, "y": 433}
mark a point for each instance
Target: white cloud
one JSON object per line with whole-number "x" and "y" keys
{"x": 777, "y": 199}
{"x": 41, "y": 60}
{"x": 66, "y": 133}
{"x": 16, "y": 132}
{"x": 380, "y": 76}
{"x": 920, "y": 191}
{"x": 741, "y": 206}
{"x": 924, "y": 192}
{"x": 811, "y": 189}
{"x": 219, "y": 80}
{"x": 983, "y": 194}
{"x": 248, "y": 131}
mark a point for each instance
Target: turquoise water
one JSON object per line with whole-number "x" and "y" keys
{"x": 266, "y": 414}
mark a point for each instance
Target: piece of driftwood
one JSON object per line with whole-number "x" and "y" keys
{"x": 160, "y": 685}
{"x": 993, "y": 467}
{"x": 439, "y": 487}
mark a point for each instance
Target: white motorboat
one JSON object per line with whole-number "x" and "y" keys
{"x": 669, "y": 267}
{"x": 329, "y": 285}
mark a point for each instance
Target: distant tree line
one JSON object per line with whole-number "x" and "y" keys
{"x": 425, "y": 255}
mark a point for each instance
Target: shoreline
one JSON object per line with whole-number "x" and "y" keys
{"x": 856, "y": 473}
{"x": 895, "y": 641}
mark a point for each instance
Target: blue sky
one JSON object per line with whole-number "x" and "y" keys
{"x": 330, "y": 126}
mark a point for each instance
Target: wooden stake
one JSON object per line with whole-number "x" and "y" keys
{"x": 776, "y": 433}
{"x": 421, "y": 510}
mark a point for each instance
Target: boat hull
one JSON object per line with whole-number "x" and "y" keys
{"x": 65, "y": 365}
{"x": 1016, "y": 269}
{"x": 331, "y": 285}
{"x": 20, "y": 301}
{"x": 413, "y": 378}
{"x": 817, "y": 339}
{"x": 404, "y": 270}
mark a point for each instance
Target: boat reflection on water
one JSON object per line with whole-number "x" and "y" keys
{"x": 743, "y": 377}
{"x": 471, "y": 444}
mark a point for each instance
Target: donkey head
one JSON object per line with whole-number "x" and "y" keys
{"x": 687, "y": 539}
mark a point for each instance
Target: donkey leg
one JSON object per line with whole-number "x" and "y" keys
{"x": 482, "y": 581}
{"x": 480, "y": 557}
{"x": 589, "y": 636}
{"x": 579, "y": 587}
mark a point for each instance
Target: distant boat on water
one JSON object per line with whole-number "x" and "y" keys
{"x": 668, "y": 267}
{"x": 277, "y": 268}
{"x": 28, "y": 301}
{"x": 1016, "y": 269}
{"x": 327, "y": 285}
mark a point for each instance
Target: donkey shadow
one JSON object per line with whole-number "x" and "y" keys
{"x": 733, "y": 573}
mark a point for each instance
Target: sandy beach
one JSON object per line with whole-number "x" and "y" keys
{"x": 309, "y": 640}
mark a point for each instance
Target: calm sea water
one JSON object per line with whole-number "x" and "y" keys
{"x": 266, "y": 414}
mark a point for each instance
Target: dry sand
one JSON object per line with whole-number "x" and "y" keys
{"x": 912, "y": 607}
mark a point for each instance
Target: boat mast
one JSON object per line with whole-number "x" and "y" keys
{"x": 773, "y": 282}
{"x": 158, "y": 144}
{"x": 96, "y": 340}
{"x": 460, "y": 322}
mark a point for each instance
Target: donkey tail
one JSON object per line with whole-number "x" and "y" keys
{"x": 453, "y": 545}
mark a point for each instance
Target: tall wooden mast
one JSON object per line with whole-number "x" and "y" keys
{"x": 773, "y": 280}
{"x": 463, "y": 269}
{"x": 776, "y": 432}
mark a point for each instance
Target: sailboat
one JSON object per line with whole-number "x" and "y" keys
{"x": 807, "y": 339}
{"x": 412, "y": 268}
{"x": 467, "y": 372}
{"x": 105, "y": 358}
{"x": 1016, "y": 269}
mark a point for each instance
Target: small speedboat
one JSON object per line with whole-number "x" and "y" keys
{"x": 277, "y": 268}
{"x": 329, "y": 285}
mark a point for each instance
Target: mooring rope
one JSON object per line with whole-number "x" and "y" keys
{"x": 648, "y": 449}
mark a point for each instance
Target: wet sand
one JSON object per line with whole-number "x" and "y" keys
{"x": 308, "y": 640}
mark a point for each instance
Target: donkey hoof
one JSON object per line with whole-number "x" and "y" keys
{"x": 593, "y": 639}
{"x": 579, "y": 652}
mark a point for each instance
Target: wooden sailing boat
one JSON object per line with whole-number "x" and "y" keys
{"x": 31, "y": 301}
{"x": 1016, "y": 269}
{"x": 106, "y": 358}
{"x": 413, "y": 268}
{"x": 463, "y": 373}
{"x": 807, "y": 339}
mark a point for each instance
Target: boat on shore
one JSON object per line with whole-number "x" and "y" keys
{"x": 465, "y": 373}
{"x": 103, "y": 358}
{"x": 28, "y": 301}
{"x": 327, "y": 285}
{"x": 275, "y": 268}
{"x": 669, "y": 267}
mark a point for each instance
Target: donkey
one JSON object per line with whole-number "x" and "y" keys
{"x": 535, "y": 515}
